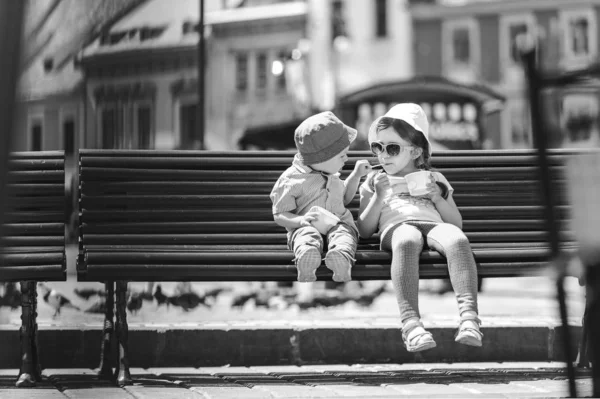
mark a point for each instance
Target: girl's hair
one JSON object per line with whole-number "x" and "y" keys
{"x": 410, "y": 134}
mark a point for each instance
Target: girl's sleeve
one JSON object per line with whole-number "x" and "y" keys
{"x": 442, "y": 179}
{"x": 283, "y": 197}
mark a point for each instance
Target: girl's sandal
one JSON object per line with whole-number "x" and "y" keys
{"x": 469, "y": 333}
{"x": 416, "y": 338}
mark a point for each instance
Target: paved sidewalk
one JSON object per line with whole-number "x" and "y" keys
{"x": 442, "y": 380}
{"x": 520, "y": 323}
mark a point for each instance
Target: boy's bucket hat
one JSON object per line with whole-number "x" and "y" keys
{"x": 321, "y": 137}
{"x": 410, "y": 113}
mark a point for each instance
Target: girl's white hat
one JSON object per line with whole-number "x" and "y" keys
{"x": 410, "y": 113}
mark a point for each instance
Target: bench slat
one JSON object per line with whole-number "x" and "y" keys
{"x": 290, "y": 153}
{"x": 208, "y": 162}
{"x": 241, "y": 238}
{"x": 258, "y": 258}
{"x": 234, "y": 201}
{"x": 132, "y": 215}
{"x": 43, "y": 272}
{"x": 270, "y": 227}
{"x": 32, "y": 240}
{"x": 34, "y": 229}
{"x": 283, "y": 247}
{"x": 31, "y": 258}
{"x": 122, "y": 174}
{"x": 169, "y": 272}
{"x": 45, "y": 189}
{"x": 36, "y": 164}
{"x": 28, "y": 217}
{"x": 216, "y": 187}
{"x": 41, "y": 176}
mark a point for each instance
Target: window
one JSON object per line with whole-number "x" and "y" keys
{"x": 68, "y": 128}
{"x": 511, "y": 27}
{"x": 380, "y": 18}
{"x": 125, "y": 115}
{"x": 518, "y": 131}
{"x": 241, "y": 72}
{"x": 461, "y": 46}
{"x": 112, "y": 127}
{"x": 143, "y": 127}
{"x": 338, "y": 25}
{"x": 580, "y": 41}
{"x": 36, "y": 130}
{"x": 280, "y": 78}
{"x": 188, "y": 126}
{"x": 261, "y": 71}
{"x": 461, "y": 51}
{"x": 579, "y": 120}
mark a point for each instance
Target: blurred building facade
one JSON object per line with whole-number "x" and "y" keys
{"x": 270, "y": 63}
{"x": 134, "y": 83}
{"x": 475, "y": 42}
{"x": 51, "y": 88}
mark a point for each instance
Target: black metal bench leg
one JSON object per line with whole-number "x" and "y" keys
{"x": 583, "y": 357}
{"x": 34, "y": 328}
{"x": 106, "y": 360}
{"x": 28, "y": 373}
{"x": 122, "y": 372}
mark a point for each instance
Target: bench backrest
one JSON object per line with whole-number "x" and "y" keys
{"x": 33, "y": 235}
{"x": 206, "y": 200}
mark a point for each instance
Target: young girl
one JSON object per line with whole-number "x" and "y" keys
{"x": 407, "y": 223}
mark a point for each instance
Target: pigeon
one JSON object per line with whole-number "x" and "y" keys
{"x": 160, "y": 297}
{"x": 188, "y": 301}
{"x": 240, "y": 300}
{"x": 366, "y": 300}
{"x": 134, "y": 302}
{"x": 56, "y": 300}
{"x": 214, "y": 292}
{"x": 12, "y": 296}
{"x": 87, "y": 293}
{"x": 97, "y": 307}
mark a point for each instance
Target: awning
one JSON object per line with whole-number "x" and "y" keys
{"x": 426, "y": 89}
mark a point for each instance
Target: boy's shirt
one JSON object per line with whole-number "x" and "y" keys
{"x": 300, "y": 188}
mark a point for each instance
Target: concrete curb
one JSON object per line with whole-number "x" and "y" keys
{"x": 187, "y": 346}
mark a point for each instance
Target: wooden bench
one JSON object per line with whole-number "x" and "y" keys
{"x": 206, "y": 216}
{"x": 33, "y": 240}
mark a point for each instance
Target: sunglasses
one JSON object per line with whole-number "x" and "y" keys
{"x": 392, "y": 149}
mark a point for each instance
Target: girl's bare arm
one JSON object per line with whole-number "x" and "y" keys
{"x": 448, "y": 210}
{"x": 369, "y": 212}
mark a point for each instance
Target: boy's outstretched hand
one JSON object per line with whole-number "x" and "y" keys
{"x": 362, "y": 167}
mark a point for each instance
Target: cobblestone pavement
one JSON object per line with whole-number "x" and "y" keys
{"x": 459, "y": 380}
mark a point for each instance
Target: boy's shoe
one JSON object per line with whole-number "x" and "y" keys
{"x": 340, "y": 265}
{"x": 307, "y": 264}
{"x": 468, "y": 332}
{"x": 416, "y": 338}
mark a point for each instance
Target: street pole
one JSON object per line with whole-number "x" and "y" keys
{"x": 11, "y": 22}
{"x": 528, "y": 45}
{"x": 201, "y": 83}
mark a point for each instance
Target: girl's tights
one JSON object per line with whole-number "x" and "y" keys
{"x": 405, "y": 241}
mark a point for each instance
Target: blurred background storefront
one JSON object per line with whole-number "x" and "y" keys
{"x": 124, "y": 73}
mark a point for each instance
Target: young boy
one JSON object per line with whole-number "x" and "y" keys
{"x": 313, "y": 179}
